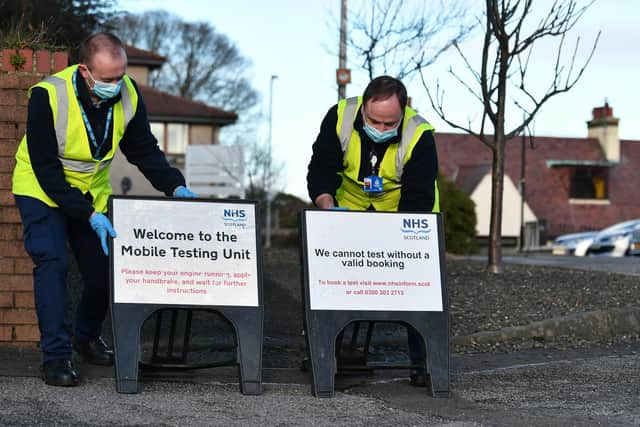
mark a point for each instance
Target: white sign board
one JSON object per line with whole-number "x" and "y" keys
{"x": 184, "y": 252}
{"x": 215, "y": 170}
{"x": 373, "y": 261}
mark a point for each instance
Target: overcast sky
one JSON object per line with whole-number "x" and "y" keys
{"x": 297, "y": 41}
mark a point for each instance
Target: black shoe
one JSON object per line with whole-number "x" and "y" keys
{"x": 305, "y": 366}
{"x": 60, "y": 372}
{"x": 418, "y": 378}
{"x": 95, "y": 352}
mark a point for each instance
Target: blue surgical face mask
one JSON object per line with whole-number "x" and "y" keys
{"x": 379, "y": 137}
{"x": 104, "y": 90}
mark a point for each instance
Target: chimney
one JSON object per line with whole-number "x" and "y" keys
{"x": 604, "y": 128}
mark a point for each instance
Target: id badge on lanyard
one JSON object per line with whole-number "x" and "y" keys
{"x": 373, "y": 182}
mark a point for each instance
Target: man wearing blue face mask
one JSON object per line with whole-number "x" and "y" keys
{"x": 77, "y": 118}
{"x": 376, "y": 153}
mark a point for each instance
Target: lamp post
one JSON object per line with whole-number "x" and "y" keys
{"x": 267, "y": 183}
{"x": 523, "y": 154}
{"x": 343, "y": 74}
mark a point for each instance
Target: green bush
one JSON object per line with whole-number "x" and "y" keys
{"x": 458, "y": 211}
{"x": 289, "y": 207}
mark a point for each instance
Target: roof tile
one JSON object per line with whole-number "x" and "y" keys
{"x": 162, "y": 106}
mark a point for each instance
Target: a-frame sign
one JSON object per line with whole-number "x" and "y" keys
{"x": 374, "y": 266}
{"x": 185, "y": 253}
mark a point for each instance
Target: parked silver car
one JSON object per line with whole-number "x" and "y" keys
{"x": 618, "y": 240}
{"x": 566, "y": 244}
{"x": 634, "y": 244}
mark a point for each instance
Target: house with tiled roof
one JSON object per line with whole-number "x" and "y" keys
{"x": 175, "y": 122}
{"x": 571, "y": 184}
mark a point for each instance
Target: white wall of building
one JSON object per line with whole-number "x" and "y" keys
{"x": 510, "y": 208}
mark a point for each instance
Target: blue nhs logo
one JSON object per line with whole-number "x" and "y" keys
{"x": 234, "y": 215}
{"x": 415, "y": 225}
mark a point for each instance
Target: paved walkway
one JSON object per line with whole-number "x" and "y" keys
{"x": 535, "y": 388}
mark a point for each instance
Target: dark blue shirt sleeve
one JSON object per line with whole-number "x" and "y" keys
{"x": 43, "y": 153}
{"x": 141, "y": 148}
{"x": 324, "y": 169}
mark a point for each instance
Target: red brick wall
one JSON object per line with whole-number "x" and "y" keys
{"x": 18, "y": 322}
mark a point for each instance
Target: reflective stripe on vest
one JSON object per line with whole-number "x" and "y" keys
{"x": 62, "y": 117}
{"x": 408, "y": 133}
{"x": 350, "y": 110}
{"x": 85, "y": 167}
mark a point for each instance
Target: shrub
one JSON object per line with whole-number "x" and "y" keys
{"x": 16, "y": 37}
{"x": 458, "y": 211}
{"x": 289, "y": 207}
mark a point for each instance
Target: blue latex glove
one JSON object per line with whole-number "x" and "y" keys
{"x": 101, "y": 225}
{"x": 184, "y": 192}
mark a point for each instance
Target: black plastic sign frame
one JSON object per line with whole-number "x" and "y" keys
{"x": 128, "y": 318}
{"x": 322, "y": 326}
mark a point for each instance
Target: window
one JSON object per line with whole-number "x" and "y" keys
{"x": 589, "y": 183}
{"x": 177, "y": 138}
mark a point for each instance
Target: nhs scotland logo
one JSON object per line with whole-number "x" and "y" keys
{"x": 235, "y": 217}
{"x": 415, "y": 229}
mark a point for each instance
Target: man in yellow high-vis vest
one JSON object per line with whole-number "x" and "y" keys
{"x": 77, "y": 118}
{"x": 374, "y": 152}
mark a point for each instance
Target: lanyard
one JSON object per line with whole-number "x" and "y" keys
{"x": 85, "y": 119}
{"x": 374, "y": 161}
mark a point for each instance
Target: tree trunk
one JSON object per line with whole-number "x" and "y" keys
{"x": 495, "y": 226}
{"x": 497, "y": 177}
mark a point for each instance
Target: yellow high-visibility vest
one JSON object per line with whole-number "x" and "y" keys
{"x": 81, "y": 170}
{"x": 351, "y": 194}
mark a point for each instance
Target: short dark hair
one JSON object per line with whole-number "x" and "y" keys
{"x": 383, "y": 87}
{"x": 98, "y": 42}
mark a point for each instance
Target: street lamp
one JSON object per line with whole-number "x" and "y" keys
{"x": 267, "y": 186}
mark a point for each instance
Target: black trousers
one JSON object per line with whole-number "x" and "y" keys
{"x": 46, "y": 233}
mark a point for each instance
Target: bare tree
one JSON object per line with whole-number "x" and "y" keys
{"x": 151, "y": 31}
{"x": 509, "y": 37}
{"x": 400, "y": 37}
{"x": 264, "y": 175}
{"x": 202, "y": 64}
{"x": 263, "y": 172}
{"x": 206, "y": 66}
